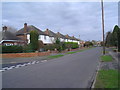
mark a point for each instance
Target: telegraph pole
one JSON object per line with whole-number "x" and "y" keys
{"x": 103, "y": 27}
{"x": 79, "y": 42}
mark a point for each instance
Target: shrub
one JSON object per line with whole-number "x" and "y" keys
{"x": 34, "y": 40}
{"x": 72, "y": 45}
{"x": 61, "y": 46}
{"x": 75, "y": 45}
{"x": 12, "y": 49}
{"x": 28, "y": 48}
{"x": 50, "y": 47}
{"x": 40, "y": 46}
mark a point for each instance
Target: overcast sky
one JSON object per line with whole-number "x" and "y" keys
{"x": 73, "y": 18}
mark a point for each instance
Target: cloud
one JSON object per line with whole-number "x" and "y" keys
{"x": 5, "y": 21}
{"x": 73, "y": 18}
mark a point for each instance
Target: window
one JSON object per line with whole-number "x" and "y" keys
{"x": 8, "y": 44}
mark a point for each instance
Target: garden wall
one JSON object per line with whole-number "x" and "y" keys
{"x": 15, "y": 55}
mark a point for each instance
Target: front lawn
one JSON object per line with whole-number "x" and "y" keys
{"x": 107, "y": 79}
{"x": 55, "y": 56}
{"x": 106, "y": 58}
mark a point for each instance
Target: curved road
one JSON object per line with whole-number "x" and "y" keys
{"x": 70, "y": 71}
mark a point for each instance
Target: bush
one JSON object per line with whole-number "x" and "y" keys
{"x": 72, "y": 45}
{"x": 61, "y": 46}
{"x": 50, "y": 47}
{"x": 75, "y": 45}
{"x": 28, "y": 48}
{"x": 34, "y": 40}
{"x": 12, "y": 49}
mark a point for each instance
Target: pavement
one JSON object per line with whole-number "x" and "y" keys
{"x": 116, "y": 57}
{"x": 70, "y": 71}
{"x": 110, "y": 65}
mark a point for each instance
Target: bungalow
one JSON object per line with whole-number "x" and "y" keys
{"x": 24, "y": 34}
{"x": 10, "y": 39}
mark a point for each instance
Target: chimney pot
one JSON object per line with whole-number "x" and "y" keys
{"x": 47, "y": 29}
{"x": 25, "y": 23}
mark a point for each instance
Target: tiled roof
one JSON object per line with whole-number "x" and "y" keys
{"x": 7, "y": 35}
{"x": 30, "y": 28}
{"x": 59, "y": 35}
{"x": 74, "y": 38}
{"x": 50, "y": 33}
{"x": 68, "y": 37}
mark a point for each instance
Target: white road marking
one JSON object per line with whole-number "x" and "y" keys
{"x": 2, "y": 70}
{"x": 21, "y": 65}
{"x": 44, "y": 61}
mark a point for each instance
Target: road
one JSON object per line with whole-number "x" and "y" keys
{"x": 70, "y": 71}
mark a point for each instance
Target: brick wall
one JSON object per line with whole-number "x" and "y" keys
{"x": 15, "y": 55}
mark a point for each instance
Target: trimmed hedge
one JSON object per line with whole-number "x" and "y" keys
{"x": 61, "y": 46}
{"x": 12, "y": 49}
{"x": 50, "y": 47}
{"x": 72, "y": 45}
{"x": 28, "y": 48}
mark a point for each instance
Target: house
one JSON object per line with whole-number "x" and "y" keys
{"x": 68, "y": 38}
{"x": 10, "y": 39}
{"x": 61, "y": 37}
{"x": 24, "y": 34}
{"x": 75, "y": 40}
{"x": 52, "y": 36}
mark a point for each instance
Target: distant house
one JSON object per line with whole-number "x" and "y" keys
{"x": 52, "y": 35}
{"x": 68, "y": 38}
{"x": 61, "y": 37}
{"x": 75, "y": 40}
{"x": 10, "y": 39}
{"x": 24, "y": 34}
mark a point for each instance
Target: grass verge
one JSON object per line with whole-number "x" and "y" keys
{"x": 106, "y": 58}
{"x": 55, "y": 56}
{"x": 105, "y": 51}
{"x": 70, "y": 52}
{"x": 78, "y": 51}
{"x": 107, "y": 79}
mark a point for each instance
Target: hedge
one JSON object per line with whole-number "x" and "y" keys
{"x": 61, "y": 46}
{"x": 12, "y": 49}
{"x": 72, "y": 45}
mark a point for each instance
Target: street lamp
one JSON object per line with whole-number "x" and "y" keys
{"x": 103, "y": 26}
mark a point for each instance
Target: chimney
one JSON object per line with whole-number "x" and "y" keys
{"x": 25, "y": 32}
{"x": 4, "y": 28}
{"x": 67, "y": 35}
{"x": 47, "y": 31}
{"x": 25, "y": 27}
{"x": 58, "y": 34}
